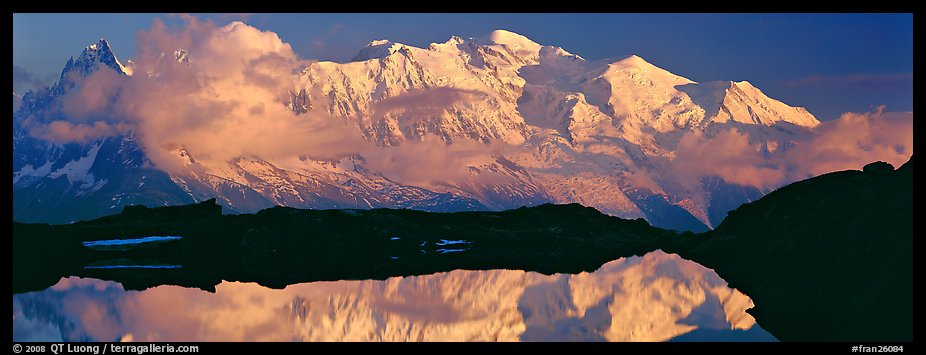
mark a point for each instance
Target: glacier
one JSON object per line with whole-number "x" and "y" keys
{"x": 601, "y": 133}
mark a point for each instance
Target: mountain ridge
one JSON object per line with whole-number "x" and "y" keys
{"x": 580, "y": 126}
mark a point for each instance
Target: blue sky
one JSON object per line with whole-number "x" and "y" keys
{"x": 828, "y": 63}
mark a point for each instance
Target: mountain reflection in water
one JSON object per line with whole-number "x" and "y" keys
{"x": 657, "y": 297}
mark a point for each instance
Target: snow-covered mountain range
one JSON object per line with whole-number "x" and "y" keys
{"x": 601, "y": 133}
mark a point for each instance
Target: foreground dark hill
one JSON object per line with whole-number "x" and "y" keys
{"x": 828, "y": 258}
{"x": 281, "y": 246}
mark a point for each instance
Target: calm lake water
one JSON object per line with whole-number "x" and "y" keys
{"x": 657, "y": 297}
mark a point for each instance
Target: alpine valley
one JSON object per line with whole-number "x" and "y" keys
{"x": 602, "y": 133}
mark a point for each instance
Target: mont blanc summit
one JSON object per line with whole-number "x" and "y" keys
{"x": 514, "y": 123}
